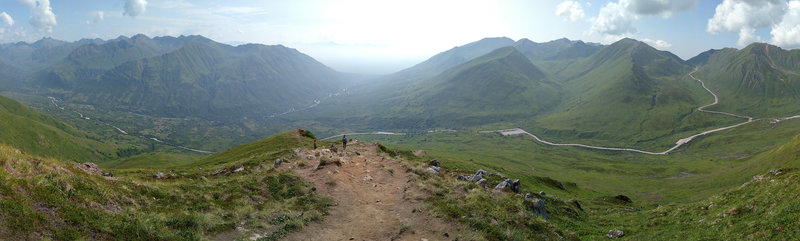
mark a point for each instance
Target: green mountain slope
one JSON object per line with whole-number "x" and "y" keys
{"x": 42, "y": 135}
{"x": 626, "y": 91}
{"x": 210, "y": 80}
{"x": 10, "y": 77}
{"x": 557, "y": 49}
{"x": 90, "y": 61}
{"x": 500, "y": 85}
{"x": 760, "y": 80}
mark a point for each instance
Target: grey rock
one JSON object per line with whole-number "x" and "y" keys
{"x": 309, "y": 157}
{"x": 513, "y": 185}
{"x": 461, "y": 177}
{"x": 500, "y": 175}
{"x": 278, "y": 161}
{"x": 91, "y": 165}
{"x": 615, "y": 233}
{"x": 107, "y": 174}
{"x": 218, "y": 171}
{"x": 434, "y": 170}
{"x": 159, "y": 175}
{"x": 528, "y": 197}
{"x": 434, "y": 162}
{"x": 482, "y": 182}
{"x": 238, "y": 169}
{"x": 482, "y": 172}
{"x": 501, "y": 185}
{"x": 539, "y": 207}
{"x": 476, "y": 177}
{"x": 541, "y": 193}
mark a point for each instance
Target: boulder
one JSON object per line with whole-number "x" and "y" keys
{"x": 475, "y": 177}
{"x": 91, "y": 165}
{"x": 623, "y": 198}
{"x": 538, "y": 207}
{"x": 107, "y": 174}
{"x": 461, "y": 177}
{"x": 159, "y": 175}
{"x": 238, "y": 169}
{"x": 277, "y": 162}
{"x": 482, "y": 182}
{"x": 434, "y": 162}
{"x": 528, "y": 197}
{"x": 434, "y": 170}
{"x": 513, "y": 185}
{"x": 309, "y": 157}
{"x": 501, "y": 185}
{"x": 482, "y": 172}
{"x": 615, "y": 233}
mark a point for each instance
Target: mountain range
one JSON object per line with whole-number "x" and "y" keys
{"x": 625, "y": 94}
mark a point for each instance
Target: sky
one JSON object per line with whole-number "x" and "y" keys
{"x": 380, "y": 37}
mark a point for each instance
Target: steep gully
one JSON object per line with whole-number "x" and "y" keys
{"x": 679, "y": 143}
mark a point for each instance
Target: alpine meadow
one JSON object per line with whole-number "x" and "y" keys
{"x": 400, "y": 120}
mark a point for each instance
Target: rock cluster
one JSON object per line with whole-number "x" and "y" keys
{"x": 478, "y": 177}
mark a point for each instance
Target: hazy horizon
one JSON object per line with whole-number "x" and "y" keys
{"x": 383, "y": 37}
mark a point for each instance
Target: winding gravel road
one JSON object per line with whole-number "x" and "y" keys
{"x": 678, "y": 143}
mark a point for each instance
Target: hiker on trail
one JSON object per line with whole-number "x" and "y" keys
{"x": 315, "y": 144}
{"x": 344, "y": 142}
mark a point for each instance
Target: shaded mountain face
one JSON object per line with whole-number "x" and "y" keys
{"x": 178, "y": 76}
{"x": 760, "y": 80}
{"x": 211, "y": 80}
{"x": 556, "y": 49}
{"x": 35, "y": 56}
{"x": 89, "y": 61}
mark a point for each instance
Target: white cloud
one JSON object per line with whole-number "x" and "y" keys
{"x": 134, "y": 8}
{"x": 659, "y": 44}
{"x": 5, "y": 22}
{"x": 42, "y": 16}
{"x": 96, "y": 16}
{"x": 658, "y": 7}
{"x": 745, "y": 17}
{"x": 787, "y": 33}
{"x": 570, "y": 11}
{"x": 614, "y": 20}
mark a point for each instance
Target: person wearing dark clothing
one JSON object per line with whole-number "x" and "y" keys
{"x": 344, "y": 142}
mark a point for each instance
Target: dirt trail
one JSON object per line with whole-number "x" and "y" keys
{"x": 375, "y": 200}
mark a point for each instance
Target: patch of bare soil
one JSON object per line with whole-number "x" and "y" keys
{"x": 374, "y": 199}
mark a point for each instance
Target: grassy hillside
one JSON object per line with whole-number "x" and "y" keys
{"x": 502, "y": 85}
{"x": 625, "y": 94}
{"x": 42, "y": 135}
{"x": 46, "y": 198}
{"x": 760, "y": 80}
